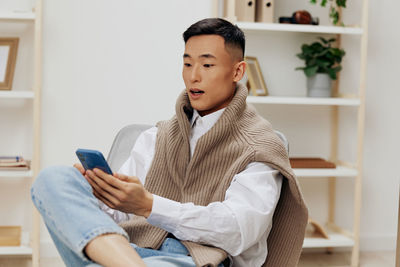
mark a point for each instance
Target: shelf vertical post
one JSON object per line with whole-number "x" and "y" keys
{"x": 360, "y": 135}
{"x": 214, "y": 6}
{"x": 230, "y": 10}
{"x": 37, "y": 84}
{"x": 398, "y": 236}
{"x": 334, "y": 143}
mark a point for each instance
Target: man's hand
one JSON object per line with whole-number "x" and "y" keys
{"x": 121, "y": 192}
{"x": 80, "y": 168}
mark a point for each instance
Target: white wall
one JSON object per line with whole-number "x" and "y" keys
{"x": 109, "y": 64}
{"x": 382, "y": 129}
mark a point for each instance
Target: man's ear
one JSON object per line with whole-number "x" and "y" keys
{"x": 239, "y": 71}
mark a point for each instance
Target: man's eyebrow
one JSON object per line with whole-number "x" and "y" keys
{"x": 207, "y": 56}
{"x": 201, "y": 56}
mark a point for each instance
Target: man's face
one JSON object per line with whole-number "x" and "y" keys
{"x": 208, "y": 73}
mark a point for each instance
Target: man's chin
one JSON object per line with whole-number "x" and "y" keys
{"x": 199, "y": 108}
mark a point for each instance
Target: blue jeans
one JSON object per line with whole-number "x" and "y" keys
{"x": 72, "y": 215}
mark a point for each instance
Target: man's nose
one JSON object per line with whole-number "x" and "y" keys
{"x": 195, "y": 74}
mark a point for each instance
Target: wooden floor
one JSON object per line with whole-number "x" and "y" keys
{"x": 368, "y": 259}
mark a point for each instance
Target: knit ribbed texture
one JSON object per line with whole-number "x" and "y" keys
{"x": 239, "y": 137}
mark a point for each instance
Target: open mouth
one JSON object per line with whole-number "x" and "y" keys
{"x": 196, "y": 91}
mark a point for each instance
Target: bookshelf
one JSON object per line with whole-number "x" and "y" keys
{"x": 15, "y": 174}
{"x": 339, "y": 171}
{"x": 17, "y": 16}
{"x": 253, "y": 26}
{"x": 335, "y": 240}
{"x": 338, "y": 237}
{"x": 17, "y": 95}
{"x": 332, "y": 101}
{"x": 26, "y": 87}
{"x": 16, "y": 251}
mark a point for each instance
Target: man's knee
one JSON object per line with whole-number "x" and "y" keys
{"x": 51, "y": 180}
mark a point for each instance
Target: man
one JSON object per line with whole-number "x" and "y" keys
{"x": 198, "y": 190}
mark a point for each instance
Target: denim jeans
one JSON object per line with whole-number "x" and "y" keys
{"x": 73, "y": 218}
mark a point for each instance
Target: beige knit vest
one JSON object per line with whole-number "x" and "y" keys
{"x": 238, "y": 138}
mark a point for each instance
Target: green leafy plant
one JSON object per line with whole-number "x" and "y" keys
{"x": 321, "y": 57}
{"x": 334, "y": 8}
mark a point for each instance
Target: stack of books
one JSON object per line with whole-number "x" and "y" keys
{"x": 16, "y": 163}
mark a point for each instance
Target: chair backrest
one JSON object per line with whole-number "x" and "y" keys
{"x": 123, "y": 144}
{"x": 283, "y": 139}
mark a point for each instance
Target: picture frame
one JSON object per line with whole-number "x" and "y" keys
{"x": 255, "y": 77}
{"x": 8, "y": 58}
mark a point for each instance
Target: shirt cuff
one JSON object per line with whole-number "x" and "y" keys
{"x": 165, "y": 213}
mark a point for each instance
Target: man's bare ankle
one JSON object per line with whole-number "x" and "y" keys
{"x": 112, "y": 250}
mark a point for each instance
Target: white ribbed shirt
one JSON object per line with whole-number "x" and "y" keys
{"x": 240, "y": 224}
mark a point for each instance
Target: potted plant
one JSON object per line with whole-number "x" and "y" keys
{"x": 322, "y": 63}
{"x": 335, "y": 5}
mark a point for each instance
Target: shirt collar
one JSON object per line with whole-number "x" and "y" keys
{"x": 208, "y": 120}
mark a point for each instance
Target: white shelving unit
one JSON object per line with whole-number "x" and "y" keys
{"x": 8, "y": 22}
{"x": 251, "y": 26}
{"x": 332, "y": 101}
{"x": 338, "y": 237}
{"x": 16, "y": 251}
{"x": 335, "y": 240}
{"x": 7, "y": 174}
{"x": 339, "y": 171}
{"x": 29, "y": 16}
{"x": 17, "y": 95}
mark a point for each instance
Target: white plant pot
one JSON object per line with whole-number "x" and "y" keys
{"x": 319, "y": 85}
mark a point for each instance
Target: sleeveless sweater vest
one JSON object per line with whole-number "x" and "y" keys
{"x": 239, "y": 137}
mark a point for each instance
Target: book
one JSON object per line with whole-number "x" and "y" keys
{"x": 14, "y": 163}
{"x": 7, "y": 159}
{"x": 19, "y": 168}
{"x": 301, "y": 163}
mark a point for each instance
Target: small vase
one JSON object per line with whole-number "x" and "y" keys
{"x": 319, "y": 85}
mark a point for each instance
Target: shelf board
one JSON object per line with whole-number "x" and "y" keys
{"x": 339, "y": 171}
{"x": 258, "y": 26}
{"x": 17, "y": 94}
{"x": 335, "y": 240}
{"x": 16, "y": 251}
{"x": 324, "y": 101}
{"x": 17, "y": 16}
{"x": 7, "y": 174}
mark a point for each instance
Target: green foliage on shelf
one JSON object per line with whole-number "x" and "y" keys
{"x": 334, "y": 8}
{"x": 321, "y": 57}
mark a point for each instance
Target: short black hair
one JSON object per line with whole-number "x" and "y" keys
{"x": 232, "y": 34}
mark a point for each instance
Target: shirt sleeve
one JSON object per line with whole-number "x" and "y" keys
{"x": 234, "y": 224}
{"x": 137, "y": 165}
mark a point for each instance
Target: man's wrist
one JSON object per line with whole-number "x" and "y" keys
{"x": 148, "y": 204}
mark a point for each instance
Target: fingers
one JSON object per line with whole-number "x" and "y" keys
{"x": 100, "y": 192}
{"x": 80, "y": 168}
{"x": 103, "y": 183}
{"x": 122, "y": 177}
{"x": 109, "y": 179}
{"x": 129, "y": 179}
{"x": 104, "y": 200}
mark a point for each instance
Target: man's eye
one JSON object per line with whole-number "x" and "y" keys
{"x": 187, "y": 65}
{"x": 208, "y": 65}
